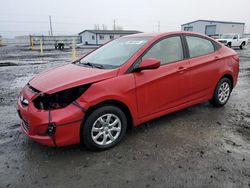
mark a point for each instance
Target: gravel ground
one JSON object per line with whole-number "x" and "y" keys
{"x": 200, "y": 146}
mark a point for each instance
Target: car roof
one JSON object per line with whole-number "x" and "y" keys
{"x": 162, "y": 34}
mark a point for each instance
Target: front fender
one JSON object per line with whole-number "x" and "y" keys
{"x": 120, "y": 88}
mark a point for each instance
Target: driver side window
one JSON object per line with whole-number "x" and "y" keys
{"x": 167, "y": 50}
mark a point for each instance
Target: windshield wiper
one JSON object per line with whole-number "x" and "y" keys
{"x": 87, "y": 63}
{"x": 92, "y": 64}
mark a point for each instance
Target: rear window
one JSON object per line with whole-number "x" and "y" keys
{"x": 198, "y": 46}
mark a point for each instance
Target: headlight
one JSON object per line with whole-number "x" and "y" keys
{"x": 60, "y": 99}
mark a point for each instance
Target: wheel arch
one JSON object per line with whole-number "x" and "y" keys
{"x": 114, "y": 102}
{"x": 225, "y": 75}
{"x": 229, "y": 43}
{"x": 230, "y": 77}
{"x": 215, "y": 101}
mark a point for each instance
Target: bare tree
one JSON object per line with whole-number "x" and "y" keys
{"x": 96, "y": 27}
{"x": 104, "y": 27}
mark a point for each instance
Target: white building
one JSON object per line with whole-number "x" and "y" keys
{"x": 98, "y": 37}
{"x": 213, "y": 28}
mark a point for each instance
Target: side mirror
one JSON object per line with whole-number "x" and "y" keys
{"x": 150, "y": 63}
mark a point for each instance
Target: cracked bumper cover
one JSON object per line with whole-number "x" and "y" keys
{"x": 35, "y": 123}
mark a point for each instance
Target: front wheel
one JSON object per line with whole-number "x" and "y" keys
{"x": 229, "y": 45}
{"x": 222, "y": 92}
{"x": 104, "y": 128}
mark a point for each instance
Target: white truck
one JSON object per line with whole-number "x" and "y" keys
{"x": 233, "y": 40}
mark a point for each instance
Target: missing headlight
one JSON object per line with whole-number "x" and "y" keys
{"x": 60, "y": 99}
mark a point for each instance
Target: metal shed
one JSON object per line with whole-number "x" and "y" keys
{"x": 213, "y": 28}
{"x": 98, "y": 37}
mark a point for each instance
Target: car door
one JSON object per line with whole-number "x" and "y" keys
{"x": 204, "y": 66}
{"x": 236, "y": 41}
{"x": 166, "y": 87}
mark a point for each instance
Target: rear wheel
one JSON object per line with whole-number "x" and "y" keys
{"x": 229, "y": 45}
{"x": 222, "y": 92}
{"x": 242, "y": 45}
{"x": 104, "y": 128}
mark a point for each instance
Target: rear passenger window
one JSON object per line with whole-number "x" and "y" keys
{"x": 199, "y": 46}
{"x": 167, "y": 50}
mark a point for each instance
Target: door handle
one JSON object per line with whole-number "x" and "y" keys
{"x": 181, "y": 69}
{"x": 216, "y": 58}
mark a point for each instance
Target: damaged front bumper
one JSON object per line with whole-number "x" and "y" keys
{"x": 45, "y": 140}
{"x": 58, "y": 127}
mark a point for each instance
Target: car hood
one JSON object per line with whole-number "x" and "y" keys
{"x": 68, "y": 76}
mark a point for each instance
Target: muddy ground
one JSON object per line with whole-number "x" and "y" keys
{"x": 200, "y": 146}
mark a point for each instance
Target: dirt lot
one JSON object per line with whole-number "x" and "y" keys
{"x": 200, "y": 146}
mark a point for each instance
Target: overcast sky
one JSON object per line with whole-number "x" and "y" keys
{"x": 20, "y": 17}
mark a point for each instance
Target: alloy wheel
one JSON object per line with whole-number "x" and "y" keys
{"x": 106, "y": 129}
{"x": 224, "y": 92}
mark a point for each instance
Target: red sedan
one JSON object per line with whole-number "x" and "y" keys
{"x": 124, "y": 83}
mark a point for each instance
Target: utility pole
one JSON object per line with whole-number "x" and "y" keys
{"x": 159, "y": 26}
{"x": 50, "y": 23}
{"x": 114, "y": 27}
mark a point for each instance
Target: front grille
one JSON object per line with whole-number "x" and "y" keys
{"x": 25, "y": 125}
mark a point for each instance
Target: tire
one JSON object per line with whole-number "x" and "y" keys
{"x": 222, "y": 93}
{"x": 229, "y": 45}
{"x": 98, "y": 133}
{"x": 242, "y": 45}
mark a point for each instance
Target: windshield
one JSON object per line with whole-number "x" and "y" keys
{"x": 226, "y": 36}
{"x": 115, "y": 53}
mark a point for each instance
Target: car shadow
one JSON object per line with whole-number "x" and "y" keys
{"x": 132, "y": 134}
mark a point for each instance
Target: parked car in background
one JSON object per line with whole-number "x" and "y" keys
{"x": 124, "y": 83}
{"x": 233, "y": 40}
{"x": 59, "y": 45}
